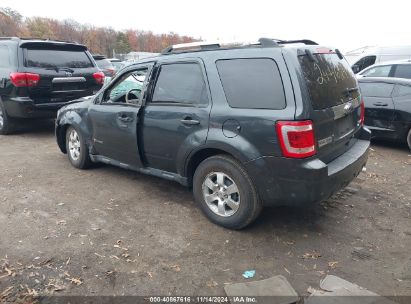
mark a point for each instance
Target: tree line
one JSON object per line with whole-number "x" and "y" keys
{"x": 99, "y": 40}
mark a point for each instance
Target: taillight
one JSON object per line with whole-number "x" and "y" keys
{"x": 99, "y": 77}
{"x": 296, "y": 138}
{"x": 24, "y": 79}
{"x": 362, "y": 113}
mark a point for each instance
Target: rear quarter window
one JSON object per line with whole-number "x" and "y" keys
{"x": 252, "y": 83}
{"x": 376, "y": 89}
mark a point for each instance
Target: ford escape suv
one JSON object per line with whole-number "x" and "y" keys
{"x": 245, "y": 125}
{"x": 39, "y": 76}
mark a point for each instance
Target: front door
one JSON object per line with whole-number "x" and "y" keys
{"x": 115, "y": 117}
{"x": 175, "y": 116}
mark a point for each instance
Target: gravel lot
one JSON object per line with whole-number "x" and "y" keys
{"x": 107, "y": 231}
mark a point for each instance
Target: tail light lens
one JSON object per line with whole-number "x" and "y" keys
{"x": 99, "y": 77}
{"x": 296, "y": 138}
{"x": 362, "y": 113}
{"x": 24, "y": 79}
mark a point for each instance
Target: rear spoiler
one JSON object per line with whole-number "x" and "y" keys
{"x": 47, "y": 45}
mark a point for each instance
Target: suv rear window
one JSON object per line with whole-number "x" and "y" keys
{"x": 329, "y": 79}
{"x": 44, "y": 58}
{"x": 252, "y": 83}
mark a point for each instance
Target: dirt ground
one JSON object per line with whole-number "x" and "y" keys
{"x": 107, "y": 231}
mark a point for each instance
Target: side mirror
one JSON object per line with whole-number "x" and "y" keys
{"x": 355, "y": 68}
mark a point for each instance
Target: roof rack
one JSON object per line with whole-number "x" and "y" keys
{"x": 39, "y": 39}
{"x": 214, "y": 45}
{"x": 9, "y": 38}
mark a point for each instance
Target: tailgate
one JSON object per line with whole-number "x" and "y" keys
{"x": 335, "y": 100}
{"x": 65, "y": 74}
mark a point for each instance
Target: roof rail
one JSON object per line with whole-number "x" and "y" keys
{"x": 47, "y": 39}
{"x": 304, "y": 41}
{"x": 9, "y": 38}
{"x": 35, "y": 38}
{"x": 214, "y": 45}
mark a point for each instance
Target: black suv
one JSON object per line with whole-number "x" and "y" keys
{"x": 247, "y": 126}
{"x": 39, "y": 76}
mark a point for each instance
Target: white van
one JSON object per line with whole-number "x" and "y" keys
{"x": 362, "y": 58}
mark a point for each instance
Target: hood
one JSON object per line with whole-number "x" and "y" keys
{"x": 79, "y": 102}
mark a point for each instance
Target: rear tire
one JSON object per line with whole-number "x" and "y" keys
{"x": 77, "y": 150}
{"x": 7, "y": 124}
{"x": 225, "y": 193}
{"x": 409, "y": 139}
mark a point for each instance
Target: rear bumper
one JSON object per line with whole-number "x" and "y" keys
{"x": 281, "y": 181}
{"x": 24, "y": 107}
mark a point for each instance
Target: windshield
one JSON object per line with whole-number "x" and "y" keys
{"x": 43, "y": 58}
{"x": 329, "y": 79}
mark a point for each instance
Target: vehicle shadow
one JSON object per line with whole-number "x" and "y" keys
{"x": 389, "y": 144}
{"x": 301, "y": 218}
{"x": 37, "y": 127}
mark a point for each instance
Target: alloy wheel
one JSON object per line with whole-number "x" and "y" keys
{"x": 221, "y": 194}
{"x": 74, "y": 145}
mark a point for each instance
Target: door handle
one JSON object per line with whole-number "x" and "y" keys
{"x": 380, "y": 104}
{"x": 125, "y": 118}
{"x": 189, "y": 121}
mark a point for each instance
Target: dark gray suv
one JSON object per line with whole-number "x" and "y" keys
{"x": 245, "y": 125}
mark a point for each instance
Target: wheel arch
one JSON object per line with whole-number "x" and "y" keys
{"x": 206, "y": 151}
{"x": 68, "y": 119}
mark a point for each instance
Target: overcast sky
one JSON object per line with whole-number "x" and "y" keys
{"x": 346, "y": 24}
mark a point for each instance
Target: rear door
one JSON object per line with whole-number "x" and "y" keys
{"x": 175, "y": 118}
{"x": 334, "y": 100}
{"x": 379, "y": 105}
{"x": 66, "y": 71}
{"x": 115, "y": 117}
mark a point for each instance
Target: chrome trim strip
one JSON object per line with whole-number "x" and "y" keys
{"x": 68, "y": 79}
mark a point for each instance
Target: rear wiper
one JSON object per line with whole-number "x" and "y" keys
{"x": 66, "y": 69}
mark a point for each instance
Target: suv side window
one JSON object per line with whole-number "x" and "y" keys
{"x": 127, "y": 89}
{"x": 380, "y": 71}
{"x": 4, "y": 56}
{"x": 253, "y": 83}
{"x": 403, "y": 71}
{"x": 365, "y": 62}
{"x": 376, "y": 89}
{"x": 180, "y": 83}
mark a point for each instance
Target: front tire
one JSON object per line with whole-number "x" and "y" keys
{"x": 77, "y": 149}
{"x": 7, "y": 124}
{"x": 225, "y": 192}
{"x": 409, "y": 139}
